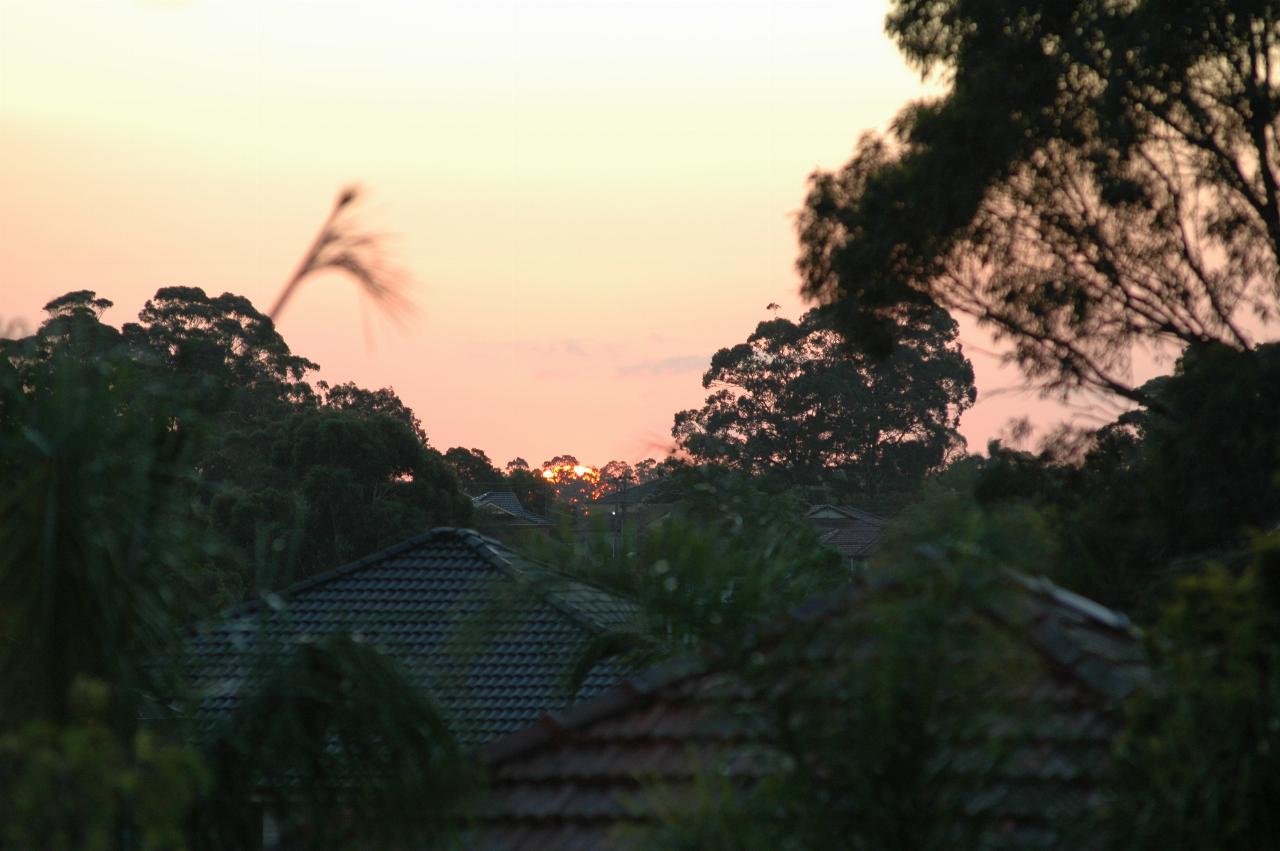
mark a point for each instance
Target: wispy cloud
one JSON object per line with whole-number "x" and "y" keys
{"x": 665, "y": 366}
{"x": 568, "y": 348}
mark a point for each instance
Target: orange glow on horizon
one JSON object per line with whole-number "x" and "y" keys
{"x": 580, "y": 479}
{"x": 564, "y": 472}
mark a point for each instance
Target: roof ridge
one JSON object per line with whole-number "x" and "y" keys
{"x": 249, "y": 606}
{"x": 512, "y": 507}
{"x": 490, "y": 550}
{"x": 504, "y": 558}
{"x": 1078, "y": 603}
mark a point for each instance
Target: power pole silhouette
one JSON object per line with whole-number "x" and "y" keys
{"x": 619, "y": 528}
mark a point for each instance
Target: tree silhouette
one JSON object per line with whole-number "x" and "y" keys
{"x": 796, "y": 402}
{"x": 1097, "y": 176}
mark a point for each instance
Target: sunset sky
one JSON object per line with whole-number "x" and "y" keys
{"x": 591, "y": 197}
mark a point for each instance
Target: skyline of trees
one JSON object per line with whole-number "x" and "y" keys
{"x": 293, "y": 478}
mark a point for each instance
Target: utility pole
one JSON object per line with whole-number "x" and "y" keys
{"x": 619, "y": 529}
{"x": 622, "y": 526}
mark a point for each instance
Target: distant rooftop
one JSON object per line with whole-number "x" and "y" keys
{"x": 851, "y": 531}
{"x": 507, "y": 504}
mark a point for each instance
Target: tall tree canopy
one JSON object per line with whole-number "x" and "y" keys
{"x": 474, "y": 469}
{"x": 368, "y": 403}
{"x": 222, "y": 347}
{"x": 795, "y": 400}
{"x": 1098, "y": 175}
{"x": 295, "y": 478}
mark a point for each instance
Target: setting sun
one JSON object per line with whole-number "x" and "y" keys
{"x": 575, "y": 482}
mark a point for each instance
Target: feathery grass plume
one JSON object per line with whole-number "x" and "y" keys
{"x": 343, "y": 245}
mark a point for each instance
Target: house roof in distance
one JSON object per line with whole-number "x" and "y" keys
{"x": 573, "y": 780}
{"x": 851, "y": 531}
{"x": 507, "y": 504}
{"x": 490, "y": 635}
{"x": 842, "y": 514}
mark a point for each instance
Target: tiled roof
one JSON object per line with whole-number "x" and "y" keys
{"x": 580, "y": 779}
{"x": 489, "y": 635}
{"x": 857, "y": 541}
{"x": 508, "y": 504}
{"x": 840, "y": 513}
{"x": 851, "y": 531}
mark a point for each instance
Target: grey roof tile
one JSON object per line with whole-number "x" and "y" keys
{"x": 508, "y": 505}
{"x": 487, "y": 634}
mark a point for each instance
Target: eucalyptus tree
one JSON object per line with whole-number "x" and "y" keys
{"x": 474, "y": 469}
{"x": 797, "y": 402}
{"x": 1097, "y": 176}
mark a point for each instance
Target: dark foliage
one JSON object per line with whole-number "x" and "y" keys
{"x": 474, "y": 469}
{"x": 321, "y": 487}
{"x": 1097, "y": 175}
{"x": 880, "y": 711}
{"x": 795, "y": 402}
{"x": 1159, "y": 494}
{"x": 99, "y": 554}
{"x": 295, "y": 479}
{"x": 534, "y": 492}
{"x": 726, "y": 560}
{"x": 1199, "y": 765}
{"x": 115, "y": 467}
{"x": 340, "y": 750}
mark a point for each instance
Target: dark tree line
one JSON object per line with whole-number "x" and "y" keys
{"x": 292, "y": 477}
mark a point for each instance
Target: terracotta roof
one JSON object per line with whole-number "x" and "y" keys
{"x": 490, "y": 635}
{"x": 580, "y": 779}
